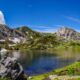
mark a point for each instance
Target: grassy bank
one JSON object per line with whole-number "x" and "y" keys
{"x": 71, "y": 70}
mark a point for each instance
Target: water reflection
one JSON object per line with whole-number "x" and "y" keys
{"x": 38, "y": 62}
{"x": 16, "y": 54}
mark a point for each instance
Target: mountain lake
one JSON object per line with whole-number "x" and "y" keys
{"x": 39, "y": 62}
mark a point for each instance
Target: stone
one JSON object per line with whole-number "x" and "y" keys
{"x": 10, "y": 67}
{"x": 53, "y": 77}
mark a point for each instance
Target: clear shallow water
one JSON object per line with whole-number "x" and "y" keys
{"x": 38, "y": 62}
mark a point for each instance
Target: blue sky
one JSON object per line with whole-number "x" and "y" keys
{"x": 42, "y": 15}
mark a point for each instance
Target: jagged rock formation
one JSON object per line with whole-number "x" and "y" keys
{"x": 21, "y": 34}
{"x": 68, "y": 33}
{"x": 10, "y": 67}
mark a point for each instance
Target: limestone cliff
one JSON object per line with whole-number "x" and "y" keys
{"x": 68, "y": 33}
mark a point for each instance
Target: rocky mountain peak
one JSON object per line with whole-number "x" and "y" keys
{"x": 66, "y": 33}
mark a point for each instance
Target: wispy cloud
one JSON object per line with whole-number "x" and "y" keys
{"x": 73, "y": 19}
{"x": 45, "y": 29}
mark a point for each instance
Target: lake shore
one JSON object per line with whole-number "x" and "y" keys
{"x": 73, "y": 73}
{"x": 66, "y": 72}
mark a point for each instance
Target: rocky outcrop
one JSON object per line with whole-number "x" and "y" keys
{"x": 10, "y": 67}
{"x": 68, "y": 33}
{"x": 22, "y": 33}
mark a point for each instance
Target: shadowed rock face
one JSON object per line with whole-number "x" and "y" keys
{"x": 8, "y": 32}
{"x": 22, "y": 34}
{"x": 68, "y": 33}
{"x": 10, "y": 67}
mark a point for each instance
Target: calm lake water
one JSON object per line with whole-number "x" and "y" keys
{"x": 38, "y": 62}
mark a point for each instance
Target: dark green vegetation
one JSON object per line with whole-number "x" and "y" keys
{"x": 4, "y": 79}
{"x": 41, "y": 42}
{"x": 47, "y": 43}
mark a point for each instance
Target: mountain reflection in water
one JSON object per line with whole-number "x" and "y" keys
{"x": 38, "y": 62}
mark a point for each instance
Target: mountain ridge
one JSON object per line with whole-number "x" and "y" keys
{"x": 24, "y": 32}
{"x": 68, "y": 33}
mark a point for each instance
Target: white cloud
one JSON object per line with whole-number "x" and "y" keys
{"x": 73, "y": 19}
{"x": 2, "y": 20}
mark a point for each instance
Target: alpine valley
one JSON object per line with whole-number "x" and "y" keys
{"x": 25, "y": 38}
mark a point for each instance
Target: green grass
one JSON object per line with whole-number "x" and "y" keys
{"x": 74, "y": 79}
{"x": 73, "y": 69}
{"x": 70, "y": 70}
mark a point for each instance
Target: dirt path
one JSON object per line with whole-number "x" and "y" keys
{"x": 53, "y": 77}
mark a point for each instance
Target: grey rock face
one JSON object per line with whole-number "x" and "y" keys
{"x": 68, "y": 33}
{"x": 10, "y": 67}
